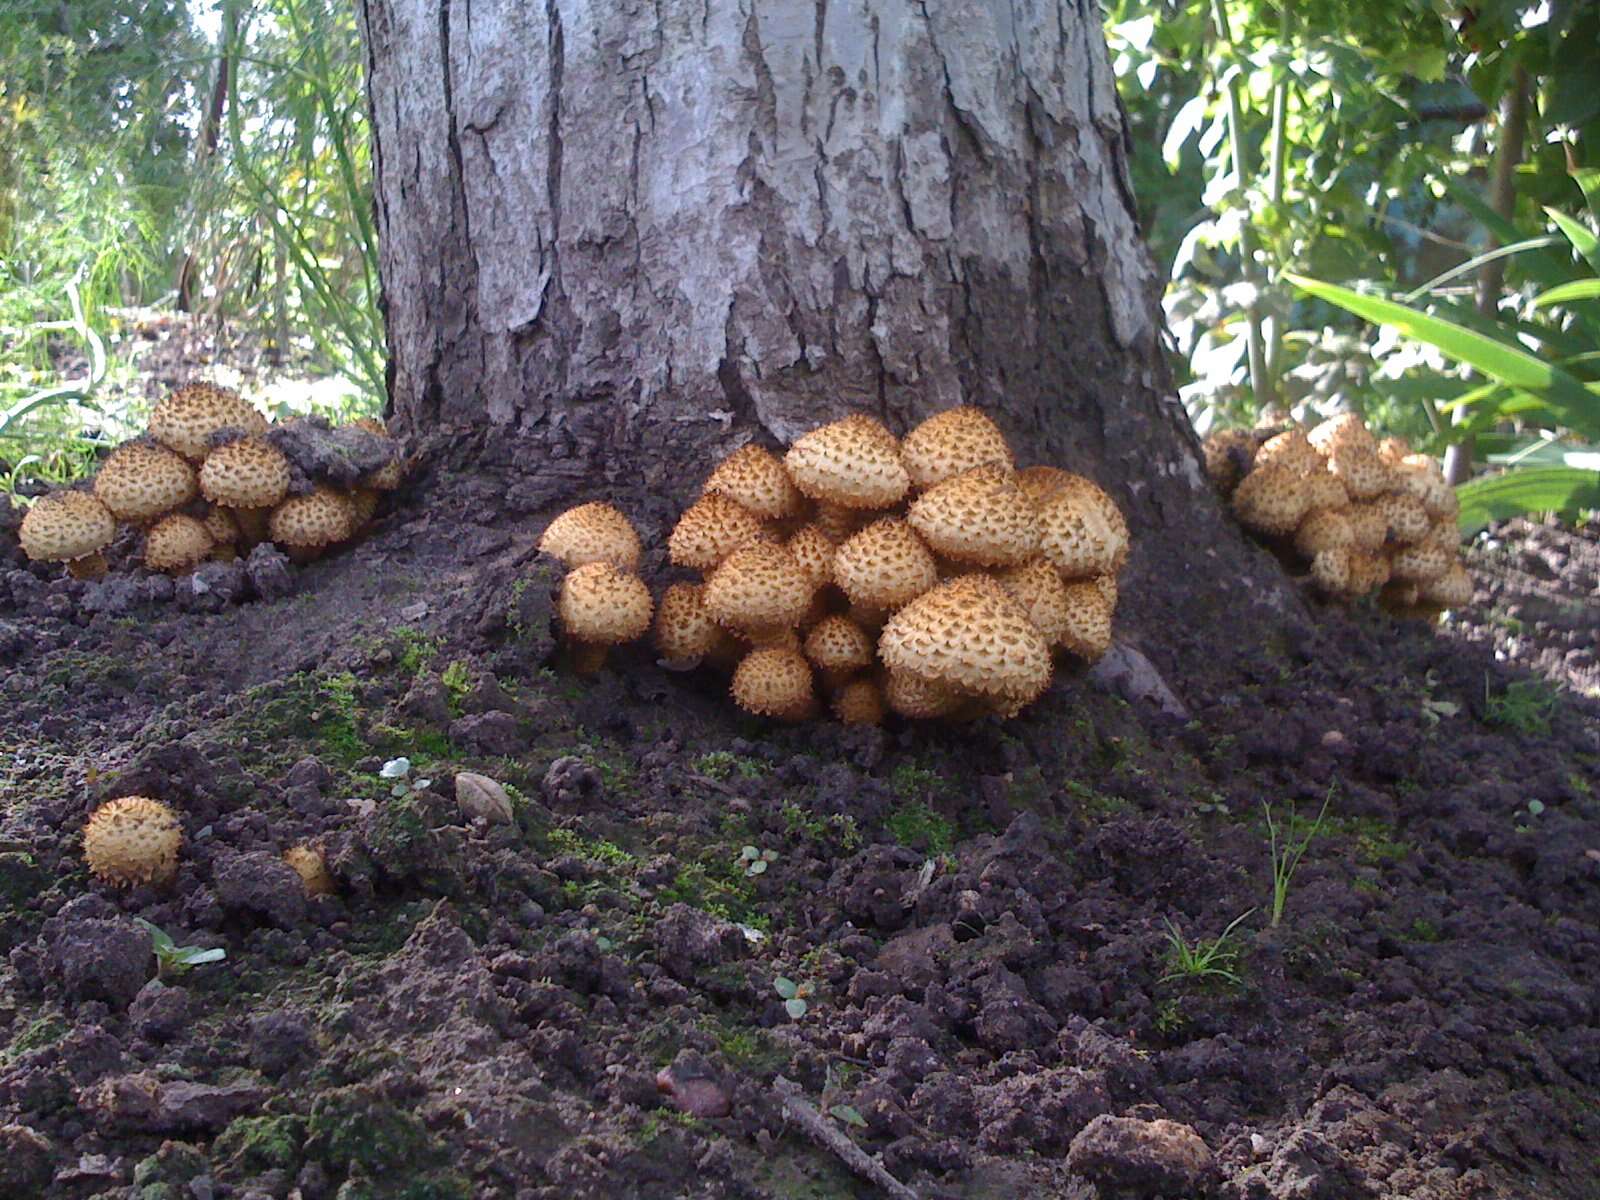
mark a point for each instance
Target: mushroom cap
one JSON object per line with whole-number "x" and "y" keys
{"x": 1082, "y": 529}
{"x": 1108, "y": 588}
{"x": 1446, "y": 534}
{"x": 64, "y": 526}
{"x": 1041, "y": 482}
{"x": 859, "y": 702}
{"x": 774, "y": 683}
{"x": 814, "y": 551}
{"x": 1292, "y": 449}
{"x": 854, "y": 463}
{"x": 1038, "y": 587}
{"x": 979, "y": 516}
{"x": 1230, "y": 454}
{"x": 917, "y": 698}
{"x": 1421, "y": 563}
{"x": 133, "y": 839}
{"x": 364, "y": 503}
{"x": 684, "y": 630}
{"x": 177, "y": 543}
{"x": 1330, "y": 570}
{"x": 186, "y": 419}
{"x": 307, "y": 861}
{"x": 953, "y": 441}
{"x": 969, "y": 635}
{"x": 712, "y": 528}
{"x": 885, "y": 565}
{"x": 1393, "y": 450}
{"x": 836, "y": 643}
{"x": 1323, "y": 490}
{"x": 1367, "y": 572}
{"x": 1346, "y": 431}
{"x": 1419, "y": 475}
{"x": 1323, "y": 529}
{"x": 602, "y": 606}
{"x": 1087, "y": 631}
{"x": 753, "y": 478}
{"x": 320, "y": 518}
{"x": 1363, "y": 474}
{"x": 758, "y": 587}
{"x": 1453, "y": 589}
{"x": 596, "y": 532}
{"x": 248, "y": 473}
{"x": 393, "y": 473}
{"x": 219, "y": 523}
{"x": 1405, "y": 517}
{"x": 139, "y": 481}
{"x": 1368, "y": 528}
{"x": 1271, "y": 499}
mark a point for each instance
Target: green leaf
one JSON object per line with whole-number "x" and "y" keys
{"x": 848, "y": 1115}
{"x": 160, "y": 941}
{"x": 796, "y": 1008}
{"x": 1581, "y": 236}
{"x": 1526, "y": 490}
{"x": 785, "y": 987}
{"x": 1578, "y": 289}
{"x": 194, "y": 956}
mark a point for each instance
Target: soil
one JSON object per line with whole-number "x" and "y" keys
{"x": 589, "y": 1000}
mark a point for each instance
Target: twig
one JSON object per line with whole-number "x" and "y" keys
{"x": 805, "y": 1114}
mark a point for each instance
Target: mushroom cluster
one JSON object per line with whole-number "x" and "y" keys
{"x": 1366, "y": 515}
{"x": 925, "y": 576}
{"x": 207, "y": 481}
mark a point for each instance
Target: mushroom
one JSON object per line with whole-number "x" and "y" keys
{"x": 684, "y": 631}
{"x": 754, "y": 479}
{"x": 224, "y": 531}
{"x": 1363, "y": 474}
{"x": 1037, "y": 586}
{"x": 140, "y": 482}
{"x": 813, "y": 550}
{"x": 246, "y": 473}
{"x": 1324, "y": 491}
{"x": 837, "y": 523}
{"x": 1330, "y": 570}
{"x": 859, "y": 702}
{"x": 1405, "y": 518}
{"x": 917, "y": 698}
{"x": 884, "y": 566}
{"x": 307, "y": 525}
{"x": 1324, "y": 529}
{"x": 774, "y": 683}
{"x": 177, "y": 543}
{"x": 1082, "y": 529}
{"x": 854, "y": 463}
{"x": 1453, "y": 589}
{"x": 596, "y": 532}
{"x": 1087, "y": 625}
{"x": 601, "y": 607}
{"x": 1041, "y": 482}
{"x": 950, "y": 442}
{"x": 1290, "y": 449}
{"x": 393, "y": 473}
{"x": 1346, "y": 431}
{"x": 308, "y": 862}
{"x": 1421, "y": 563}
{"x": 186, "y": 419}
{"x": 70, "y": 527}
{"x": 1230, "y": 454}
{"x": 1368, "y": 528}
{"x": 838, "y": 647}
{"x": 712, "y": 528}
{"x": 979, "y": 516}
{"x": 758, "y": 587}
{"x": 133, "y": 839}
{"x": 1271, "y": 499}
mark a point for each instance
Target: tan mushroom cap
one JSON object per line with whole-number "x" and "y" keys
{"x": 600, "y": 605}
{"x": 814, "y": 551}
{"x": 758, "y": 587}
{"x": 1393, "y": 450}
{"x": 1082, "y": 531}
{"x": 307, "y": 861}
{"x": 248, "y": 473}
{"x": 1271, "y": 499}
{"x": 1422, "y": 563}
{"x": 774, "y": 683}
{"x": 712, "y": 528}
{"x": 177, "y": 543}
{"x": 917, "y": 698}
{"x": 1037, "y": 586}
{"x": 755, "y": 479}
{"x": 1420, "y": 476}
{"x": 321, "y": 518}
{"x": 885, "y": 565}
{"x": 1346, "y": 431}
{"x": 393, "y": 473}
{"x": 1367, "y": 572}
{"x": 1108, "y": 588}
{"x": 1330, "y": 570}
{"x": 1324, "y": 490}
{"x": 64, "y": 526}
{"x": 1325, "y": 529}
{"x": 1230, "y": 454}
{"x": 219, "y": 523}
{"x": 979, "y": 516}
{"x": 969, "y": 635}
{"x": 364, "y": 504}
{"x": 859, "y": 702}
{"x": 1087, "y": 628}
{"x": 837, "y": 645}
{"x": 1453, "y": 589}
{"x": 854, "y": 463}
{"x": 1368, "y": 528}
{"x": 953, "y": 441}
{"x": 1406, "y": 518}
{"x": 596, "y": 532}
{"x": 1290, "y": 449}
{"x": 186, "y": 419}
{"x": 684, "y": 630}
{"x": 133, "y": 839}
{"x": 1363, "y": 474}
{"x": 139, "y": 482}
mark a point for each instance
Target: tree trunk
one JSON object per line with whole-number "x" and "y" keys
{"x": 617, "y": 240}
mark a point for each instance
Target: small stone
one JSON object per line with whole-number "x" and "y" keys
{"x": 1146, "y": 1158}
{"x": 480, "y": 796}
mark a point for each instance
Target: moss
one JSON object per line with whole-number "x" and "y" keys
{"x": 719, "y": 886}
{"x": 251, "y": 1145}
{"x": 417, "y": 649}
{"x": 909, "y": 779}
{"x": 41, "y": 1032}
{"x": 566, "y": 841}
{"x": 355, "y": 1132}
{"x": 918, "y": 826}
{"x": 721, "y": 764}
{"x": 1094, "y": 802}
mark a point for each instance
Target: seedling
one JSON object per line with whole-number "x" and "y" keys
{"x": 1532, "y": 809}
{"x": 1286, "y": 858}
{"x": 173, "y": 959}
{"x": 1524, "y": 706}
{"x": 755, "y": 862}
{"x": 794, "y": 996}
{"x": 399, "y": 770}
{"x": 1213, "y": 959}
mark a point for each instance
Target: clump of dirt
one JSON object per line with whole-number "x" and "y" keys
{"x": 958, "y": 954}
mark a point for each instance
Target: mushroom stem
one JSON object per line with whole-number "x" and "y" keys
{"x": 90, "y": 566}
{"x": 588, "y": 657}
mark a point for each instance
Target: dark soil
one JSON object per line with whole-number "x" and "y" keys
{"x": 584, "y": 1002}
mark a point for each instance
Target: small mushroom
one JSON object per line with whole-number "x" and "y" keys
{"x": 70, "y": 527}
{"x": 712, "y": 528}
{"x": 177, "y": 543}
{"x": 758, "y": 587}
{"x": 685, "y": 632}
{"x": 596, "y": 532}
{"x": 1340, "y": 433}
{"x": 601, "y": 607}
{"x": 884, "y": 566}
{"x": 308, "y": 862}
{"x": 1271, "y": 499}
{"x": 133, "y": 839}
{"x": 186, "y": 419}
{"x": 775, "y": 683}
{"x": 247, "y": 473}
{"x": 859, "y": 702}
{"x": 953, "y": 441}
{"x": 979, "y": 516}
{"x": 839, "y": 648}
{"x": 140, "y": 481}
{"x": 854, "y": 463}
{"x": 307, "y": 525}
{"x": 1083, "y": 532}
{"x": 756, "y": 480}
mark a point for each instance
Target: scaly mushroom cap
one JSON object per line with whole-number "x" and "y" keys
{"x": 859, "y": 702}
{"x": 248, "y": 473}
{"x": 1039, "y": 483}
{"x": 1363, "y": 474}
{"x": 1271, "y": 499}
{"x": 969, "y": 635}
{"x": 1368, "y": 528}
{"x": 133, "y": 839}
{"x": 393, "y": 473}
{"x": 313, "y": 521}
{"x": 774, "y": 683}
{"x": 140, "y": 482}
{"x": 1323, "y": 490}
{"x": 1393, "y": 450}
{"x": 64, "y": 526}
{"x": 838, "y": 523}
{"x": 1230, "y": 455}
{"x": 1038, "y": 587}
{"x": 177, "y": 543}
{"x": 1419, "y": 475}
{"x": 885, "y": 565}
{"x": 813, "y": 550}
{"x": 917, "y": 698}
{"x": 1324, "y": 529}
{"x": 1367, "y": 572}
{"x": 308, "y": 862}
{"x": 1108, "y": 588}
{"x": 185, "y": 420}
{"x": 1422, "y": 563}
{"x": 1330, "y": 570}
{"x": 1344, "y": 432}
{"x": 1290, "y": 449}
{"x": 712, "y": 528}
{"x": 758, "y": 587}
{"x": 596, "y": 532}
{"x": 854, "y": 463}
{"x": 219, "y": 523}
{"x": 1082, "y": 531}
{"x": 1453, "y": 589}
{"x": 364, "y": 503}
{"x": 953, "y": 441}
{"x": 837, "y": 645}
{"x": 1405, "y": 517}
{"x": 1445, "y": 534}
{"x": 684, "y": 630}
{"x": 602, "y": 606}
{"x": 979, "y": 516}
{"x": 1087, "y": 631}
{"x": 754, "y": 479}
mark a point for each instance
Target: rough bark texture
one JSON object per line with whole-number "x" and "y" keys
{"x": 618, "y": 239}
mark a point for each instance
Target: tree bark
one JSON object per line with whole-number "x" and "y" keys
{"x": 617, "y": 240}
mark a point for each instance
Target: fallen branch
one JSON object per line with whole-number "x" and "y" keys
{"x": 804, "y": 1114}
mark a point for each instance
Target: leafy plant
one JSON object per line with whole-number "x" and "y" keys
{"x": 399, "y": 770}
{"x": 756, "y": 861}
{"x": 1525, "y": 706}
{"x": 1203, "y": 959}
{"x": 793, "y": 995}
{"x": 173, "y": 959}
{"x": 1286, "y": 857}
